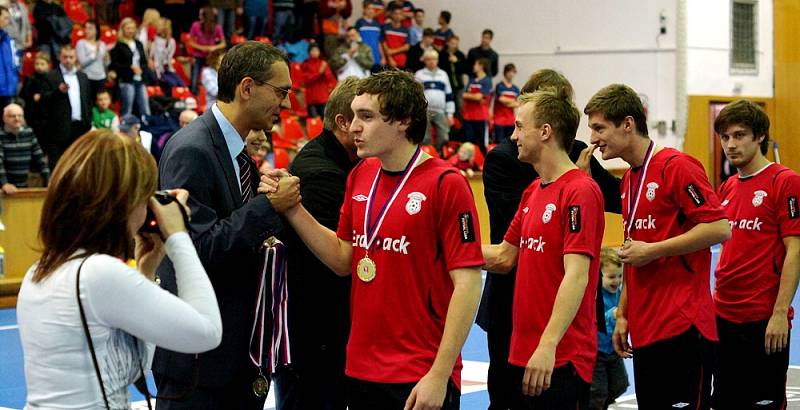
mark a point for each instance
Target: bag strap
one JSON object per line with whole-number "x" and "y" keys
{"x": 86, "y": 332}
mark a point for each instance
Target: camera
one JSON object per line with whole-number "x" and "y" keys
{"x": 150, "y": 223}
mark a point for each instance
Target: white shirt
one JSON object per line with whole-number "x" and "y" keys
{"x": 233, "y": 140}
{"x": 126, "y": 313}
{"x": 74, "y": 91}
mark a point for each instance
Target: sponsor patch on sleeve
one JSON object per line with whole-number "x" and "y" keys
{"x": 467, "y": 228}
{"x": 574, "y": 218}
{"x": 791, "y": 202}
{"x": 695, "y": 195}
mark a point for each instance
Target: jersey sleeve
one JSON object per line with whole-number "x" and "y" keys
{"x": 691, "y": 190}
{"x": 457, "y": 220}
{"x": 514, "y": 231}
{"x": 788, "y": 191}
{"x": 584, "y": 221}
{"x": 344, "y": 230}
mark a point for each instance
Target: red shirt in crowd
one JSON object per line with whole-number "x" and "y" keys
{"x": 431, "y": 229}
{"x": 318, "y": 84}
{"x": 762, "y": 210}
{"x": 669, "y": 295}
{"x": 563, "y": 217}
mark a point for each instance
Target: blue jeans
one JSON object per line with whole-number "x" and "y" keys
{"x": 255, "y": 27}
{"x": 227, "y": 19}
{"x": 197, "y": 67}
{"x": 133, "y": 94}
{"x": 284, "y": 20}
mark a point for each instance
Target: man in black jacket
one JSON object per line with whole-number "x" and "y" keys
{"x": 504, "y": 180}
{"x": 319, "y": 300}
{"x": 484, "y": 50}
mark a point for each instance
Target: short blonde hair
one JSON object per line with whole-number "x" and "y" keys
{"x": 554, "y": 106}
{"x": 609, "y": 256}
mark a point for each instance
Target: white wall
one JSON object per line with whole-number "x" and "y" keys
{"x": 709, "y": 51}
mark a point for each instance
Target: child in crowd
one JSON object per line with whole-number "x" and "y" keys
{"x": 258, "y": 148}
{"x": 505, "y": 102}
{"x": 319, "y": 81}
{"x": 443, "y": 33}
{"x": 370, "y": 29}
{"x": 476, "y": 104}
{"x": 610, "y": 378}
{"x": 36, "y": 85}
{"x": 464, "y": 160}
{"x": 102, "y": 114}
{"x": 208, "y": 76}
{"x": 162, "y": 52}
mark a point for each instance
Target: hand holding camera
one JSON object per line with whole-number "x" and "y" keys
{"x": 167, "y": 213}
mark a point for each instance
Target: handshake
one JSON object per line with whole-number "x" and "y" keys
{"x": 281, "y": 188}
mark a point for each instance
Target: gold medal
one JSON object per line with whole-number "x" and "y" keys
{"x": 261, "y": 386}
{"x": 366, "y": 269}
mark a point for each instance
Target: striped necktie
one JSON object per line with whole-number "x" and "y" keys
{"x": 245, "y": 170}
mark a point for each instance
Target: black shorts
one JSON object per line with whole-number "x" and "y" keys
{"x": 675, "y": 372}
{"x": 364, "y": 395}
{"x": 746, "y": 377}
{"x": 567, "y": 391}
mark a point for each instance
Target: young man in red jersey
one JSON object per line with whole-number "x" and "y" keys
{"x": 408, "y": 232}
{"x": 758, "y": 270}
{"x": 671, "y": 216}
{"x": 554, "y": 239}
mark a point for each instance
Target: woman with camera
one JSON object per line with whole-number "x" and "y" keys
{"x": 88, "y": 321}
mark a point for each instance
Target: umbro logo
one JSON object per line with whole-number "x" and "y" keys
{"x": 680, "y": 405}
{"x": 525, "y": 210}
{"x": 360, "y": 198}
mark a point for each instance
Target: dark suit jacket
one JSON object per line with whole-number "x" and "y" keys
{"x": 58, "y": 128}
{"x": 504, "y": 180}
{"x": 228, "y": 237}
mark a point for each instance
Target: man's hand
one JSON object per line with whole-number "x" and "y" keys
{"x": 539, "y": 371}
{"x": 287, "y": 196}
{"x": 637, "y": 253}
{"x": 428, "y": 394}
{"x": 620, "y": 337}
{"x": 9, "y": 189}
{"x": 585, "y": 157}
{"x": 63, "y": 87}
{"x": 777, "y": 336}
{"x": 322, "y": 67}
{"x": 269, "y": 180}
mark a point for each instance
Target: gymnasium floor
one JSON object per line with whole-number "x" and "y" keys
{"x": 475, "y": 355}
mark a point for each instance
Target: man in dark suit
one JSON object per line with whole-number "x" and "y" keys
{"x": 319, "y": 299}
{"x": 504, "y": 180}
{"x": 68, "y": 105}
{"x": 230, "y": 221}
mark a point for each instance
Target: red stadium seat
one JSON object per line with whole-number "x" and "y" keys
{"x": 78, "y": 33}
{"x": 185, "y": 41}
{"x": 313, "y": 127}
{"x": 76, "y": 11}
{"x": 281, "y": 158}
{"x": 181, "y": 93}
{"x": 201, "y": 98}
{"x": 296, "y": 71}
{"x": 108, "y": 35}
{"x": 292, "y": 131}
{"x": 154, "y": 91}
{"x": 262, "y": 39}
{"x": 238, "y": 39}
{"x": 27, "y": 64}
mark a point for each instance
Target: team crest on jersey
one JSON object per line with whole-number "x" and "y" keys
{"x": 548, "y": 212}
{"x": 758, "y": 197}
{"x": 360, "y": 198}
{"x": 651, "y": 191}
{"x": 414, "y": 204}
{"x": 525, "y": 210}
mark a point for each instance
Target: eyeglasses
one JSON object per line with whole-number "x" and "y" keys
{"x": 282, "y": 92}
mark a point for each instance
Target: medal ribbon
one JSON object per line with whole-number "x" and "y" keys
{"x": 633, "y": 199}
{"x": 371, "y": 230}
{"x": 275, "y": 261}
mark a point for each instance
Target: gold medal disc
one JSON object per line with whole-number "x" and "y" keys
{"x": 261, "y": 386}
{"x": 366, "y": 269}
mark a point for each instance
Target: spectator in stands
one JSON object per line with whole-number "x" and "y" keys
{"x": 464, "y": 160}
{"x": 443, "y": 33}
{"x": 415, "y": 31}
{"x": 148, "y": 28}
{"x": 370, "y": 30}
{"x": 394, "y": 38}
{"x": 454, "y": 63}
{"x": 257, "y": 147}
{"x": 131, "y": 126}
{"x": 309, "y": 18}
{"x": 255, "y": 17}
{"x": 68, "y": 106}
{"x": 53, "y": 27}
{"x": 205, "y": 36}
{"x": 318, "y": 80}
{"x": 408, "y": 8}
{"x": 505, "y": 101}
{"x": 95, "y": 206}
{"x": 128, "y": 60}
{"x": 285, "y": 20}
{"x": 476, "y": 104}
{"x": 93, "y": 57}
{"x": 19, "y": 28}
{"x": 186, "y": 117}
{"x": 9, "y": 69}
{"x": 353, "y": 58}
{"x": 484, "y": 50}
{"x": 377, "y": 9}
{"x": 102, "y": 114}
{"x": 227, "y": 10}
{"x": 416, "y": 52}
{"x": 20, "y": 153}
{"x": 209, "y": 76}
{"x": 162, "y": 52}
{"x": 35, "y": 87}
{"x": 334, "y": 15}
{"x": 440, "y": 99}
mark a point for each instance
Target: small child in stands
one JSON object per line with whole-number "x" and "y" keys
{"x": 319, "y": 81}
{"x": 102, "y": 114}
{"x": 32, "y": 91}
{"x": 464, "y": 160}
{"x": 258, "y": 148}
{"x": 610, "y": 377}
{"x": 208, "y": 77}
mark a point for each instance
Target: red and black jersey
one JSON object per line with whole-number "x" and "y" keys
{"x": 396, "y": 38}
{"x": 670, "y": 294}
{"x": 431, "y": 229}
{"x": 762, "y": 210}
{"x": 563, "y": 217}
